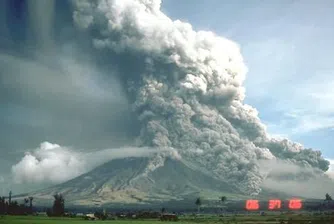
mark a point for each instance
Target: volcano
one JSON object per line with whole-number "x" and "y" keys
{"x": 126, "y": 181}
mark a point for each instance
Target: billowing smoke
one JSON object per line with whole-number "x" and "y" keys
{"x": 51, "y": 163}
{"x": 186, "y": 87}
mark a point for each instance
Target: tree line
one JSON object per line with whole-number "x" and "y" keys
{"x": 13, "y": 207}
{"x": 9, "y": 207}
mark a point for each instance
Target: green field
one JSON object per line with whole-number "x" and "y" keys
{"x": 46, "y": 220}
{"x": 207, "y": 219}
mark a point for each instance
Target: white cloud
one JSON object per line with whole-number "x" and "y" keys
{"x": 304, "y": 121}
{"x": 51, "y": 163}
{"x": 302, "y": 107}
{"x": 309, "y": 123}
{"x": 315, "y": 107}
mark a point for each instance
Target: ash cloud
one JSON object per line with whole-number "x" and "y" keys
{"x": 186, "y": 88}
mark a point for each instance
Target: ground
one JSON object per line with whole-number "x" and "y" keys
{"x": 205, "y": 219}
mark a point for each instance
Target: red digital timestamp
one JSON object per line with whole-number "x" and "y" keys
{"x": 252, "y": 205}
{"x": 274, "y": 204}
{"x": 295, "y": 204}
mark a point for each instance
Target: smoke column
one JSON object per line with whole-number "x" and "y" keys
{"x": 186, "y": 87}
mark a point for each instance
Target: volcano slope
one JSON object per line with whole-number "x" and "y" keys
{"x": 127, "y": 181}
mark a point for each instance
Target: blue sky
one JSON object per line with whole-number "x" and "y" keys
{"x": 288, "y": 48}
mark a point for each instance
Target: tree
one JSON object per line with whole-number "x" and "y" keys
{"x": 30, "y": 203}
{"x": 58, "y": 208}
{"x": 26, "y": 201}
{"x": 100, "y": 215}
{"x": 49, "y": 212}
{"x": 163, "y": 210}
{"x": 328, "y": 198}
{"x": 198, "y": 202}
{"x": 10, "y": 197}
{"x": 223, "y": 200}
{"x": 2, "y": 205}
{"x": 13, "y": 208}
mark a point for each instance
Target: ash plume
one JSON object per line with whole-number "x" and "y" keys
{"x": 186, "y": 87}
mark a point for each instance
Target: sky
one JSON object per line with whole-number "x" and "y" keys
{"x": 286, "y": 46}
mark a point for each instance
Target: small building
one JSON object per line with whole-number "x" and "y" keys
{"x": 90, "y": 217}
{"x": 169, "y": 217}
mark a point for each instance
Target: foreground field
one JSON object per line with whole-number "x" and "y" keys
{"x": 208, "y": 219}
{"x": 46, "y": 220}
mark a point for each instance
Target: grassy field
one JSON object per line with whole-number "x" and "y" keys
{"x": 46, "y": 220}
{"x": 208, "y": 219}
